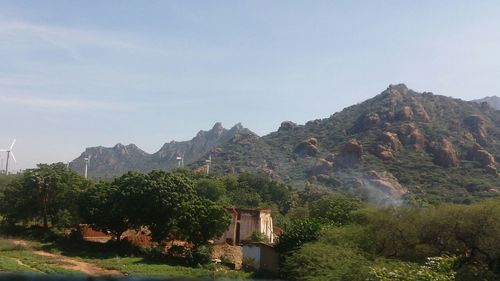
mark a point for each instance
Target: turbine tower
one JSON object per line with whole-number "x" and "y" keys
{"x": 9, "y": 153}
{"x": 209, "y": 162}
{"x": 180, "y": 161}
{"x": 87, "y": 160}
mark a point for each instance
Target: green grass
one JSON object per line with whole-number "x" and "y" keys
{"x": 10, "y": 254}
{"x": 104, "y": 257}
{"x": 139, "y": 266}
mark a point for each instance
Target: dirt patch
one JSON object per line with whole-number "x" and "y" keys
{"x": 66, "y": 262}
{"x": 85, "y": 267}
{"x": 19, "y": 242}
{"x": 233, "y": 255}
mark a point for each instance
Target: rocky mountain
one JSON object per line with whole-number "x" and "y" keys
{"x": 117, "y": 160}
{"x": 399, "y": 144}
{"x": 493, "y": 101}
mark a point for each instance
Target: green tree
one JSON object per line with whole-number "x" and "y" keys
{"x": 212, "y": 189}
{"x": 161, "y": 203}
{"x": 296, "y": 233}
{"x": 335, "y": 209}
{"x": 44, "y": 193}
{"x": 201, "y": 220}
{"x": 104, "y": 209}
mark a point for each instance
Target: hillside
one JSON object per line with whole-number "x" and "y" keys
{"x": 399, "y": 144}
{"x": 117, "y": 160}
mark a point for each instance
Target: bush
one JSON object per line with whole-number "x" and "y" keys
{"x": 297, "y": 233}
{"x": 324, "y": 262}
{"x": 200, "y": 255}
{"x": 257, "y": 237}
{"x": 436, "y": 269}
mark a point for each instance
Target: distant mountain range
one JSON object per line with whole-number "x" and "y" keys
{"x": 117, "y": 160}
{"x": 493, "y": 101}
{"x": 399, "y": 144}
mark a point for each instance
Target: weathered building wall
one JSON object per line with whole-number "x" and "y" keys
{"x": 245, "y": 222}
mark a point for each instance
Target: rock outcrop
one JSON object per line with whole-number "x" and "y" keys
{"x": 386, "y": 182}
{"x": 389, "y": 146}
{"x": 321, "y": 168}
{"x": 367, "y": 121}
{"x": 394, "y": 94}
{"x": 351, "y": 153}
{"x": 287, "y": 126}
{"x": 405, "y": 114}
{"x": 420, "y": 112}
{"x": 476, "y": 125}
{"x": 486, "y": 159}
{"x": 444, "y": 153}
{"x": 306, "y": 148}
{"x": 409, "y": 134}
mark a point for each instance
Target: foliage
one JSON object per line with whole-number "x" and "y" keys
{"x": 296, "y": 233}
{"x": 201, "y": 220}
{"x": 257, "y": 236}
{"x": 48, "y": 193}
{"x": 201, "y": 255}
{"x": 212, "y": 189}
{"x": 435, "y": 269}
{"x": 334, "y": 209}
{"x": 165, "y": 203}
{"x": 323, "y": 262}
{"x": 103, "y": 207}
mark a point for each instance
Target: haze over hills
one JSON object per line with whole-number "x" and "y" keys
{"x": 399, "y": 144}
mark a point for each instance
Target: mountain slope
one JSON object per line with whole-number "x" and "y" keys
{"x": 398, "y": 144}
{"x": 117, "y": 160}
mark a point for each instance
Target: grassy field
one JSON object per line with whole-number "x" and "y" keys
{"x": 24, "y": 258}
{"x": 17, "y": 258}
{"x": 138, "y": 266}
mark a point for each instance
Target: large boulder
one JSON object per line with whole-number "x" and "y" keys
{"x": 409, "y": 134}
{"x": 384, "y": 152}
{"x": 350, "y": 154}
{"x": 307, "y": 148}
{"x": 486, "y": 159}
{"x": 322, "y": 167}
{"x": 367, "y": 121}
{"x": 419, "y": 111}
{"x": 385, "y": 182}
{"x": 444, "y": 153}
{"x": 389, "y": 146}
{"x": 391, "y": 140}
{"x": 405, "y": 114}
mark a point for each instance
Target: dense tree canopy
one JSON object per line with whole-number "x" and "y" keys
{"x": 48, "y": 193}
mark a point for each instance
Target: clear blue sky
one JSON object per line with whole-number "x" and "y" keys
{"x": 75, "y": 74}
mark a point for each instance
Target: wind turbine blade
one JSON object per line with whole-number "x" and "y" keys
{"x": 12, "y": 145}
{"x": 13, "y": 157}
{"x": 4, "y": 150}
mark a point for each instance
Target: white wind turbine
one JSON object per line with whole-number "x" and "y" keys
{"x": 9, "y": 153}
{"x": 180, "y": 161}
{"x": 209, "y": 162}
{"x": 87, "y": 160}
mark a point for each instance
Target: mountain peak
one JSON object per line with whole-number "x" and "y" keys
{"x": 237, "y": 127}
{"x": 217, "y": 127}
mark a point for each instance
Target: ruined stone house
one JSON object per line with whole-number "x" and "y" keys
{"x": 244, "y": 222}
